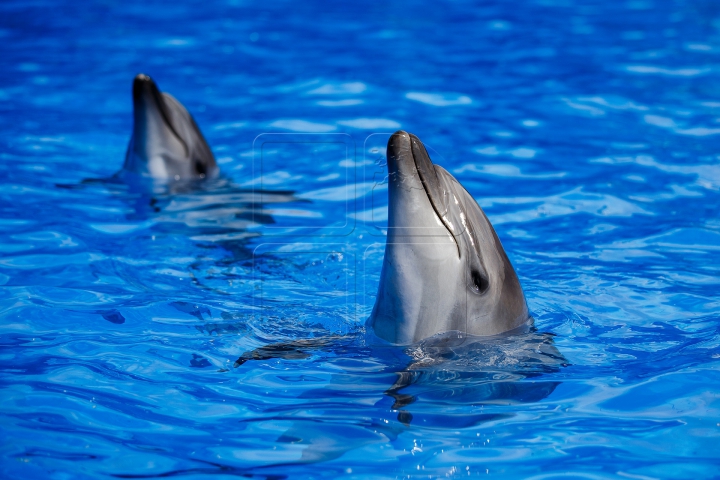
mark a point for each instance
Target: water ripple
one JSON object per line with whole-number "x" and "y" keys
{"x": 217, "y": 329}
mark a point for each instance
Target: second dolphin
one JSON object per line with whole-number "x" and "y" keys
{"x": 166, "y": 143}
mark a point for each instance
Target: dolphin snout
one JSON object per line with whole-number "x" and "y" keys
{"x": 141, "y": 77}
{"x": 400, "y": 134}
{"x": 399, "y": 152}
{"x": 398, "y": 140}
{"x": 144, "y": 88}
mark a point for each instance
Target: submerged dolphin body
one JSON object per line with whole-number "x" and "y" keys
{"x": 431, "y": 390}
{"x": 444, "y": 268}
{"x": 166, "y": 144}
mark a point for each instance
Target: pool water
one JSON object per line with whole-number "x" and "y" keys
{"x": 217, "y": 329}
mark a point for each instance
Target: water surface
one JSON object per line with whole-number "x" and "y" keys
{"x": 588, "y": 131}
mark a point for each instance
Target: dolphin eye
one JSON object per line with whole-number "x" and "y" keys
{"x": 479, "y": 282}
{"x": 200, "y": 168}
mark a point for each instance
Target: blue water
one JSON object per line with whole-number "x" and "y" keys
{"x": 589, "y": 131}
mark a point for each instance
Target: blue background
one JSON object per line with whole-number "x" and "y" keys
{"x": 587, "y": 130}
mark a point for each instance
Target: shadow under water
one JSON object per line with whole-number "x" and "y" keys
{"x": 501, "y": 370}
{"x": 435, "y": 382}
{"x": 157, "y": 232}
{"x": 213, "y": 210}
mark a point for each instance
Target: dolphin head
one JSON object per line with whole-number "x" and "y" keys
{"x": 444, "y": 268}
{"x": 166, "y": 144}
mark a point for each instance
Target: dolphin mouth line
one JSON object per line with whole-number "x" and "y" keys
{"x": 423, "y": 181}
{"x": 163, "y": 112}
{"x": 160, "y": 102}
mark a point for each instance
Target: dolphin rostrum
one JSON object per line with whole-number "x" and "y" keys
{"x": 166, "y": 144}
{"x": 444, "y": 270}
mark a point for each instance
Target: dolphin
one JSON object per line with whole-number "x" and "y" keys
{"x": 166, "y": 143}
{"x": 444, "y": 270}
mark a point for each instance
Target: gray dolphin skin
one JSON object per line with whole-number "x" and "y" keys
{"x": 166, "y": 144}
{"x": 444, "y": 270}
